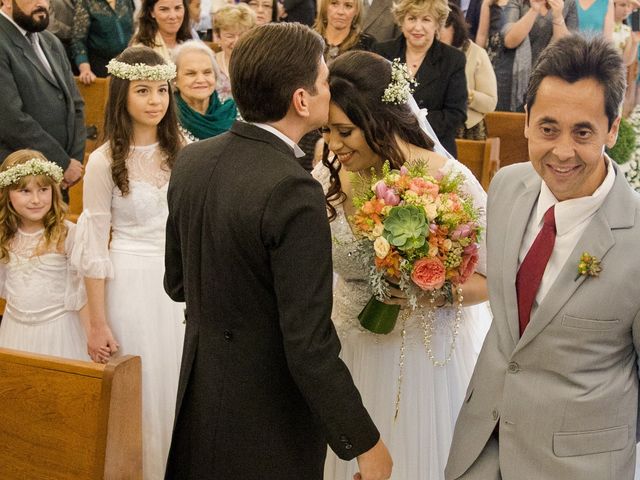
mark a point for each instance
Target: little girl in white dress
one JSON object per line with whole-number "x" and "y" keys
{"x": 43, "y": 293}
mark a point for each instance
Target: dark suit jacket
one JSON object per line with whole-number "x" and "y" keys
{"x": 301, "y": 11}
{"x": 379, "y": 22}
{"x": 442, "y": 86}
{"x": 39, "y": 111}
{"x": 262, "y": 389}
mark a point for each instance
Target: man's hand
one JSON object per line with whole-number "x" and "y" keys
{"x": 375, "y": 464}
{"x": 73, "y": 173}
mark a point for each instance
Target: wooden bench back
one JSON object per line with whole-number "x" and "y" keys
{"x": 509, "y": 128}
{"x": 482, "y": 157}
{"x": 95, "y": 100}
{"x": 66, "y": 419}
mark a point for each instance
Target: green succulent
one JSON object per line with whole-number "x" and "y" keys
{"x": 406, "y": 227}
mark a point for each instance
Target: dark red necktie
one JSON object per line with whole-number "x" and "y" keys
{"x": 532, "y": 268}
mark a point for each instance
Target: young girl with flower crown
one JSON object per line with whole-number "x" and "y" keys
{"x": 121, "y": 235}
{"x": 43, "y": 294}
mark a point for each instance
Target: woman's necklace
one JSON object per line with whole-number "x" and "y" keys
{"x": 414, "y": 61}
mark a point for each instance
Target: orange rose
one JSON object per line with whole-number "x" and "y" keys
{"x": 428, "y": 273}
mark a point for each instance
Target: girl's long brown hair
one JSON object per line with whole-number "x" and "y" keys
{"x": 55, "y": 230}
{"x": 118, "y": 128}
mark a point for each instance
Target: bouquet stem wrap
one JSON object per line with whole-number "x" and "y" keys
{"x": 379, "y": 317}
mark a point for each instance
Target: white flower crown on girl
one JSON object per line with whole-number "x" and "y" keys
{"x": 401, "y": 86}
{"x": 35, "y": 166}
{"x": 141, "y": 71}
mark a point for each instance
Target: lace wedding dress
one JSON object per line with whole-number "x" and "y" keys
{"x": 143, "y": 319}
{"x": 430, "y": 396}
{"x": 43, "y": 298}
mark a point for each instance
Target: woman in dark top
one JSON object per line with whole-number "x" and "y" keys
{"x": 438, "y": 68}
{"x": 340, "y": 24}
{"x": 101, "y": 31}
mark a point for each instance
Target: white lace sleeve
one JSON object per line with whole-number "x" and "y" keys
{"x": 322, "y": 175}
{"x": 75, "y": 296}
{"x": 90, "y": 253}
{"x": 473, "y": 188}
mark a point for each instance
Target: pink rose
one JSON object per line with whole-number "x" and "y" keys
{"x": 422, "y": 186}
{"x": 387, "y": 194}
{"x": 462, "y": 231}
{"x": 404, "y": 170}
{"x": 428, "y": 273}
{"x": 467, "y": 266}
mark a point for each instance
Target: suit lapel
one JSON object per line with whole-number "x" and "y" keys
{"x": 428, "y": 72}
{"x": 23, "y": 44}
{"x": 597, "y": 240}
{"x": 376, "y": 8}
{"x": 517, "y": 225}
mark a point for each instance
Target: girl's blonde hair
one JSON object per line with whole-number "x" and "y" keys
{"x": 55, "y": 230}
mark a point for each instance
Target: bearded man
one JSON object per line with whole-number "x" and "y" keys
{"x": 40, "y": 104}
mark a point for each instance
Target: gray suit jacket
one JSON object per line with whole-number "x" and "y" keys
{"x": 379, "y": 22}
{"x": 39, "y": 111}
{"x": 566, "y": 393}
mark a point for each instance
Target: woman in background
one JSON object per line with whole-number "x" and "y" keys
{"x": 437, "y": 68}
{"x": 229, "y": 24}
{"x": 200, "y": 112}
{"x": 101, "y": 31}
{"x": 481, "y": 80}
{"x": 162, "y": 25}
{"x": 340, "y": 24}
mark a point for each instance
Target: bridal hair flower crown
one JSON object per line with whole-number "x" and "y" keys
{"x": 35, "y": 166}
{"x": 401, "y": 86}
{"x": 141, "y": 71}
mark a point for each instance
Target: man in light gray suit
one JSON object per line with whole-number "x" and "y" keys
{"x": 378, "y": 21}
{"x": 555, "y": 391}
{"x": 40, "y": 106}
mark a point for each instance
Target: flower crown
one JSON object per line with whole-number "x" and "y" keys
{"x": 401, "y": 85}
{"x": 141, "y": 71}
{"x": 35, "y": 166}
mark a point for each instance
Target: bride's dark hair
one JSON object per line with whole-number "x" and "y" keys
{"x": 357, "y": 81}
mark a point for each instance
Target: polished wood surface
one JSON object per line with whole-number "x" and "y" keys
{"x": 482, "y": 157}
{"x": 509, "y": 128}
{"x": 65, "y": 419}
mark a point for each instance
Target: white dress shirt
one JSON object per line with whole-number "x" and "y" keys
{"x": 297, "y": 151}
{"x": 572, "y": 217}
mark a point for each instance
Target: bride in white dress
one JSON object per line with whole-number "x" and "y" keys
{"x": 364, "y": 131}
{"x": 120, "y": 242}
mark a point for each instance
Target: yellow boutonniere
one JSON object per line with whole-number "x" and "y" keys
{"x": 588, "y": 265}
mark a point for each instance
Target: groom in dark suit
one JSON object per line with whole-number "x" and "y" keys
{"x": 262, "y": 390}
{"x": 40, "y": 106}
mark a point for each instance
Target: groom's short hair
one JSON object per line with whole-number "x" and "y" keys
{"x": 576, "y": 57}
{"x": 271, "y": 62}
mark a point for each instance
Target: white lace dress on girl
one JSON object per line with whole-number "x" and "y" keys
{"x": 430, "y": 398}
{"x": 43, "y": 298}
{"x": 143, "y": 319}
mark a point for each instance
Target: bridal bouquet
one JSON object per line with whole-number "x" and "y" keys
{"x": 417, "y": 232}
